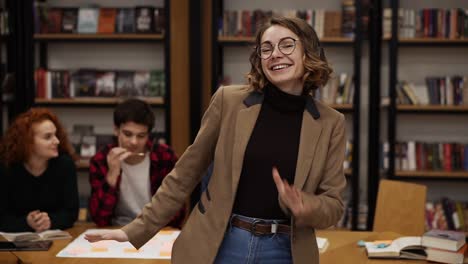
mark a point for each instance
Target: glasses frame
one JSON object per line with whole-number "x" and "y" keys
{"x": 259, "y": 48}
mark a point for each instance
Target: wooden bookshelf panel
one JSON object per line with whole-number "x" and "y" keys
{"x": 94, "y": 101}
{"x": 47, "y": 37}
{"x": 433, "y": 174}
{"x": 432, "y": 108}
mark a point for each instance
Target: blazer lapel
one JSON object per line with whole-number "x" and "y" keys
{"x": 310, "y": 134}
{"x": 245, "y": 123}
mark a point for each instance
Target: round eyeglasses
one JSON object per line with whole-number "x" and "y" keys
{"x": 285, "y": 46}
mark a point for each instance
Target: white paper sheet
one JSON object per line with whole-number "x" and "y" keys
{"x": 159, "y": 247}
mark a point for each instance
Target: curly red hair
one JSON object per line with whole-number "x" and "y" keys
{"x": 16, "y": 145}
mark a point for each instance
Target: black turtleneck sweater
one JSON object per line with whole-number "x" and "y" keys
{"x": 274, "y": 142}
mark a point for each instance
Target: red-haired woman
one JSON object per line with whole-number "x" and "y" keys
{"x": 37, "y": 175}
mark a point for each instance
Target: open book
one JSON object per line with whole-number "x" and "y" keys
{"x": 31, "y": 236}
{"x": 403, "y": 247}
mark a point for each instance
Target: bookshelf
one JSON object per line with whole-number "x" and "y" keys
{"x": 414, "y": 60}
{"x": 228, "y": 55}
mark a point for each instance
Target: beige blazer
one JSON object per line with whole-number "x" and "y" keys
{"x": 223, "y": 136}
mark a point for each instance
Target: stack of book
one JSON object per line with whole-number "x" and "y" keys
{"x": 444, "y": 246}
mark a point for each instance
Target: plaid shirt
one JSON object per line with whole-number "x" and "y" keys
{"x": 104, "y": 197}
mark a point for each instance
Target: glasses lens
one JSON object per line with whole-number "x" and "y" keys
{"x": 287, "y": 46}
{"x": 265, "y": 50}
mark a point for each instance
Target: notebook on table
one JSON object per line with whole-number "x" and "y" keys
{"x": 41, "y": 245}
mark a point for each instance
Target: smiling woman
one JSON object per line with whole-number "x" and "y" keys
{"x": 277, "y": 157}
{"x": 38, "y": 174}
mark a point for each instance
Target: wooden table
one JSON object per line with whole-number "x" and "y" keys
{"x": 342, "y": 249}
{"x": 49, "y": 257}
{"x": 8, "y": 258}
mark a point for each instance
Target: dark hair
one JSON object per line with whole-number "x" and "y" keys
{"x": 134, "y": 110}
{"x": 16, "y": 145}
{"x": 317, "y": 71}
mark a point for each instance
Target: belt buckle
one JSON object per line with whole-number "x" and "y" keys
{"x": 253, "y": 228}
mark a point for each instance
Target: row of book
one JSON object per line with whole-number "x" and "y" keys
{"x": 86, "y": 142}
{"x": 98, "y": 83}
{"x": 93, "y": 20}
{"x": 416, "y": 156}
{"x": 327, "y": 23}
{"x": 428, "y": 23}
{"x": 447, "y": 214}
{"x": 4, "y": 25}
{"x": 338, "y": 90}
{"x": 437, "y": 91}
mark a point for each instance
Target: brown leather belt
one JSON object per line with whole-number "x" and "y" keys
{"x": 259, "y": 227}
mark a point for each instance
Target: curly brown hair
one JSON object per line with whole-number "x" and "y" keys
{"x": 317, "y": 71}
{"x": 16, "y": 145}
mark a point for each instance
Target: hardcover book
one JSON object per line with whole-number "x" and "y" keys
{"x": 88, "y": 20}
{"x": 141, "y": 83}
{"x": 41, "y": 245}
{"x": 107, "y": 17}
{"x": 446, "y": 256}
{"x": 84, "y": 83}
{"x": 159, "y": 20}
{"x": 69, "y": 20}
{"x": 444, "y": 239}
{"x": 125, "y": 21}
{"x": 54, "y": 21}
{"x": 124, "y": 84}
{"x": 156, "y": 85}
{"x": 105, "y": 84}
{"x": 144, "y": 19}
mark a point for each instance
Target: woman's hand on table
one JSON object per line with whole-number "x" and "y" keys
{"x": 116, "y": 234}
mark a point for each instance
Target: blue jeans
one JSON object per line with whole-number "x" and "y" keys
{"x": 239, "y": 246}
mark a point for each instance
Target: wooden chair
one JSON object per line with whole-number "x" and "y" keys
{"x": 400, "y": 208}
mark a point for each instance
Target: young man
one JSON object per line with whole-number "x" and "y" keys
{"x": 124, "y": 176}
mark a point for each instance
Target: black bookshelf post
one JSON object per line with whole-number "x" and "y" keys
{"x": 373, "y": 172}
{"x": 357, "y": 55}
{"x": 21, "y": 55}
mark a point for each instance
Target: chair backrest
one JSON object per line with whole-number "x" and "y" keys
{"x": 400, "y": 208}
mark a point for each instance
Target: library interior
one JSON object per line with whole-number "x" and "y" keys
{"x": 98, "y": 96}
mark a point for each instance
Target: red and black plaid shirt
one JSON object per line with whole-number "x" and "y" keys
{"x": 104, "y": 197}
